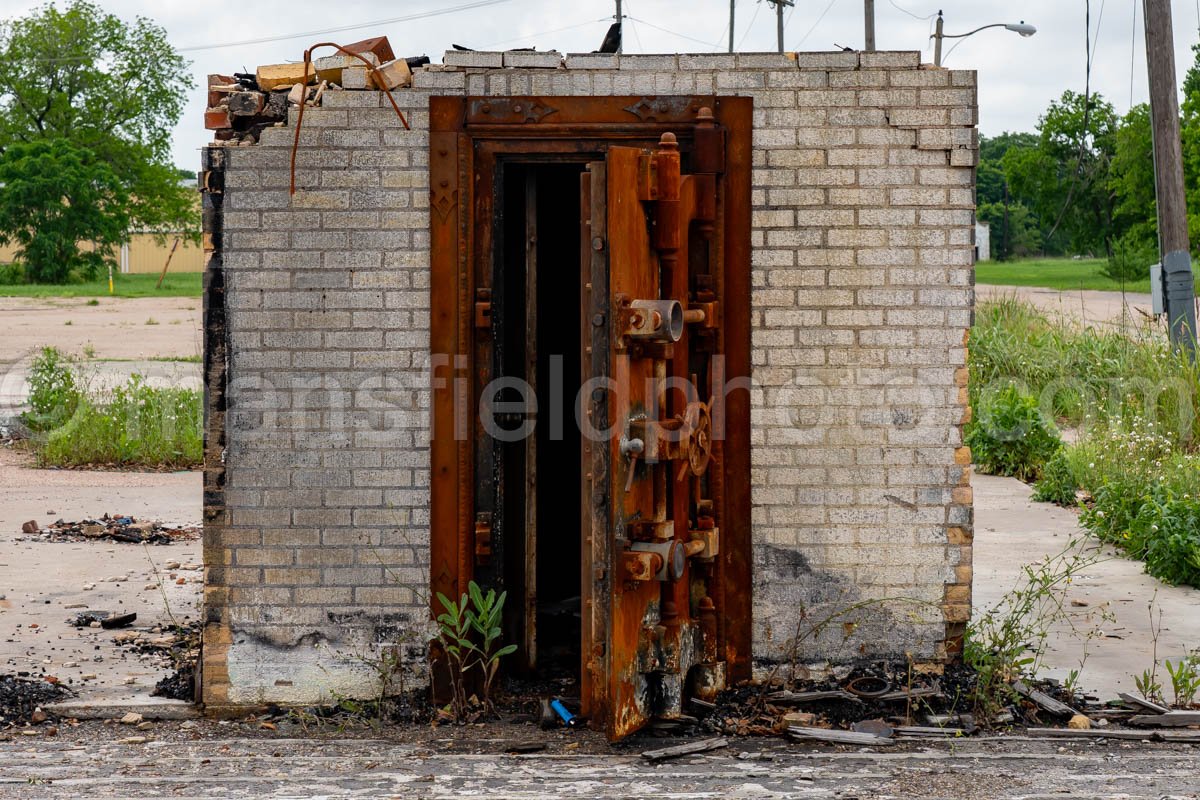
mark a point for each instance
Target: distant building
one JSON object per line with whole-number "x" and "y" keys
{"x": 983, "y": 241}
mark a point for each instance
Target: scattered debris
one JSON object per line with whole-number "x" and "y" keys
{"x": 22, "y": 698}
{"x": 241, "y": 106}
{"x": 118, "y": 621}
{"x": 654, "y": 756}
{"x": 113, "y": 528}
{"x": 786, "y": 698}
{"x": 520, "y": 748}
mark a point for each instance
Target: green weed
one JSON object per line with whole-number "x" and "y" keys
{"x": 134, "y": 425}
{"x": 1010, "y": 436}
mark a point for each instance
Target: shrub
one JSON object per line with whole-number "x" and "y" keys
{"x": 140, "y": 425}
{"x": 1130, "y": 260}
{"x": 134, "y": 425}
{"x": 12, "y": 274}
{"x": 54, "y": 390}
{"x": 1058, "y": 483}
{"x": 1010, "y": 436}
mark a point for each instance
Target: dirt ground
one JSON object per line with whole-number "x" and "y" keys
{"x": 45, "y": 582}
{"x": 119, "y": 336}
{"x": 1087, "y": 306}
{"x": 125, "y": 328}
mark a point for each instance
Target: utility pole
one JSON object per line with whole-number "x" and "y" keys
{"x": 732, "y": 5}
{"x": 937, "y": 41}
{"x": 1178, "y": 286}
{"x": 620, "y": 21}
{"x": 779, "y": 4}
{"x": 869, "y": 22}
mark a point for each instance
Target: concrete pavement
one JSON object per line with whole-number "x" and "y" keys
{"x": 1011, "y": 530}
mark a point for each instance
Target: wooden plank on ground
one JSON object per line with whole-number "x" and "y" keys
{"x": 934, "y": 731}
{"x": 1043, "y": 700}
{"x": 905, "y": 694}
{"x": 1172, "y": 719}
{"x": 1142, "y": 703}
{"x": 837, "y": 737}
{"x": 690, "y": 748}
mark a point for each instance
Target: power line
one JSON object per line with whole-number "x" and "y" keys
{"x": 918, "y": 16}
{"x": 1133, "y": 45}
{"x": 437, "y": 12}
{"x": 815, "y": 24}
{"x": 1087, "y": 113}
{"x": 547, "y": 33}
{"x": 757, "y": 7}
{"x": 635, "y": 33}
{"x": 674, "y": 33}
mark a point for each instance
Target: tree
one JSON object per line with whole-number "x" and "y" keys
{"x": 55, "y": 196}
{"x": 1066, "y": 177}
{"x": 1014, "y": 227}
{"x": 1131, "y": 178}
{"x": 113, "y": 91}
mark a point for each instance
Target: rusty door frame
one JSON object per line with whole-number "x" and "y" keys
{"x": 467, "y": 134}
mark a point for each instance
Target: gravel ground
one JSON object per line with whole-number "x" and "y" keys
{"x": 206, "y": 759}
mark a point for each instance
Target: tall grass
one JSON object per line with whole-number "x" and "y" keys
{"x": 1135, "y": 404}
{"x": 133, "y": 425}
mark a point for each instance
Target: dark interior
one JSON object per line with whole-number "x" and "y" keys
{"x": 556, "y": 247}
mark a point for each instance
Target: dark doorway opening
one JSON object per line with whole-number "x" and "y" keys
{"x": 537, "y": 301}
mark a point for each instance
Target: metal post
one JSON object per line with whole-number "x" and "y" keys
{"x": 1168, "y": 175}
{"x": 620, "y": 21}
{"x": 779, "y": 23}
{"x": 869, "y": 22}
{"x": 937, "y": 42}
{"x": 732, "y": 5}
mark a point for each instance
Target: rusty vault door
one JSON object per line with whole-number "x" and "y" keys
{"x": 662, "y": 409}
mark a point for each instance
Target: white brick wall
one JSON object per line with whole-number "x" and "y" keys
{"x": 862, "y": 212}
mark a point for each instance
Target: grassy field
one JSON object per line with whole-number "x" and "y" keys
{"x": 183, "y": 284}
{"x": 1053, "y": 273}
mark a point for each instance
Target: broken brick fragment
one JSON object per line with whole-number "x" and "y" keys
{"x": 217, "y": 118}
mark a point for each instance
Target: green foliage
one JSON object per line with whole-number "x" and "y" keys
{"x": 53, "y": 196}
{"x": 111, "y": 92}
{"x": 1070, "y": 163}
{"x": 1058, "y": 483}
{"x": 1137, "y": 404}
{"x": 469, "y": 631}
{"x": 1131, "y": 180}
{"x": 1148, "y": 685}
{"x": 54, "y": 391}
{"x": 1010, "y": 436}
{"x": 134, "y": 425}
{"x": 1185, "y": 679}
{"x": 1130, "y": 260}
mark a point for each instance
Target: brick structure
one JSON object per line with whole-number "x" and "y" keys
{"x": 317, "y": 312}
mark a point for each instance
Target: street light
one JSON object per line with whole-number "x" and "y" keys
{"x": 1021, "y": 27}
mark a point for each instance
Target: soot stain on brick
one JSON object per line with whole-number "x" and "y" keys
{"x": 787, "y": 587}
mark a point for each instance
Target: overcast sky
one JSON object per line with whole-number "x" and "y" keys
{"x": 1017, "y": 76}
